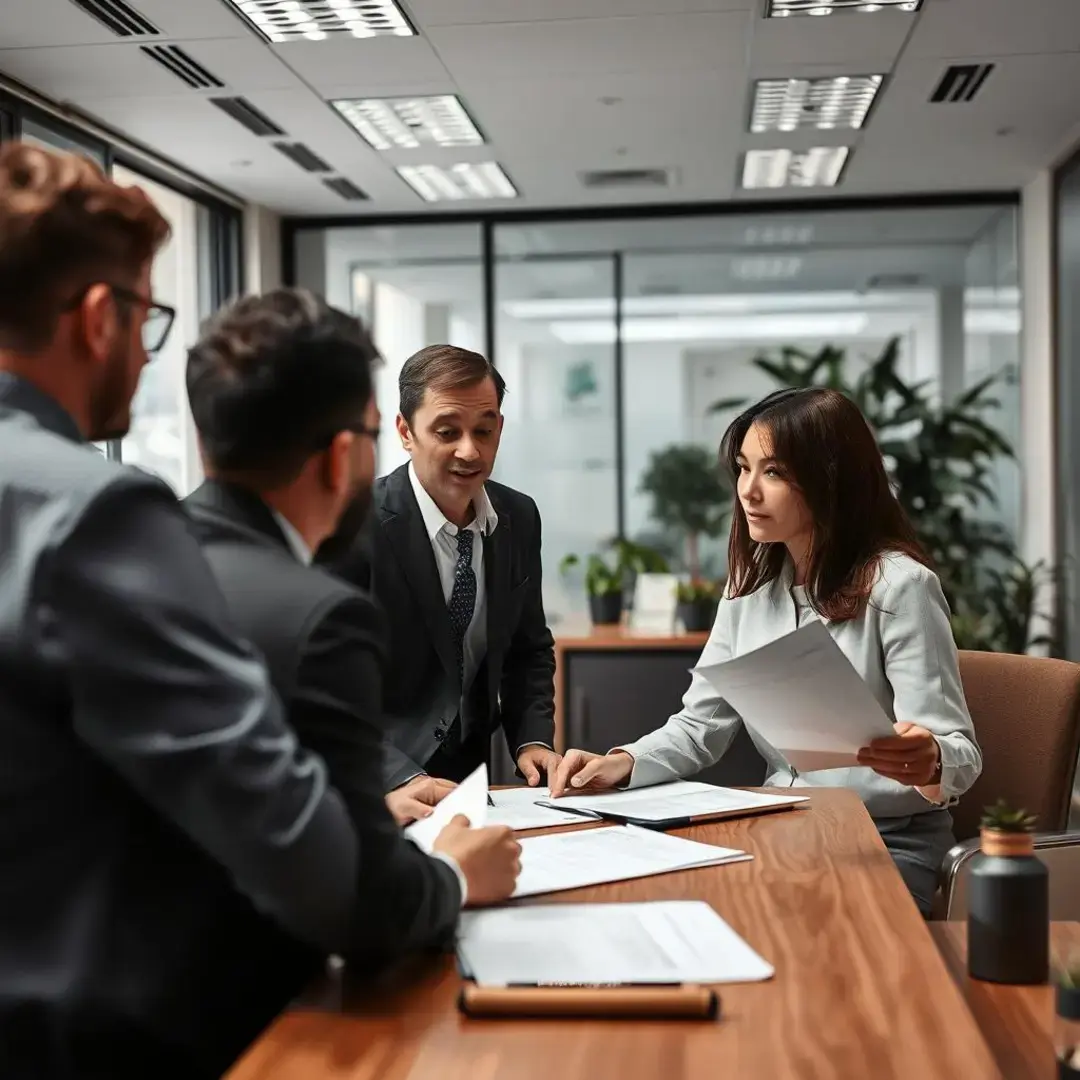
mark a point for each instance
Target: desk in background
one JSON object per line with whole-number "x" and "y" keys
{"x": 614, "y": 685}
{"x": 860, "y": 988}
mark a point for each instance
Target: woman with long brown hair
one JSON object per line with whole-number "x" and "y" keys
{"x": 817, "y": 533}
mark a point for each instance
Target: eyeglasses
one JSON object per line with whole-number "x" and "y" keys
{"x": 159, "y": 317}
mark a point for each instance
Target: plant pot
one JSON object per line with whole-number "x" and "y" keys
{"x": 1067, "y": 1031}
{"x": 1008, "y": 911}
{"x": 697, "y": 615}
{"x": 605, "y": 609}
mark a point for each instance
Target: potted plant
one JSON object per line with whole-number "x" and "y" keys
{"x": 606, "y": 582}
{"x": 1067, "y": 1018}
{"x": 696, "y": 603}
{"x": 1008, "y": 901}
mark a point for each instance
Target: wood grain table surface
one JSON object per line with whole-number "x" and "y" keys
{"x": 1016, "y": 1021}
{"x": 860, "y": 988}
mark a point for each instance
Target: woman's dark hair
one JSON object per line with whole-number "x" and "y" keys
{"x": 823, "y": 446}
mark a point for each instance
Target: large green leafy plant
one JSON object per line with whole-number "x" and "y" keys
{"x": 940, "y": 458}
{"x": 688, "y": 496}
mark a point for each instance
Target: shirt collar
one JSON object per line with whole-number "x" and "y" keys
{"x": 435, "y": 520}
{"x": 19, "y": 393}
{"x": 296, "y": 542}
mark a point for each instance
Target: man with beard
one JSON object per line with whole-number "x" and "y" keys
{"x": 173, "y": 862}
{"x": 281, "y": 392}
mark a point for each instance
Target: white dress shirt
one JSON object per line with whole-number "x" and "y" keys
{"x": 298, "y": 546}
{"x": 902, "y": 646}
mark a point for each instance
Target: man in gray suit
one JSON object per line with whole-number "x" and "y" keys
{"x": 174, "y": 864}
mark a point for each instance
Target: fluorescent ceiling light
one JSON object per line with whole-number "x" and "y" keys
{"x": 766, "y": 268}
{"x": 316, "y": 20}
{"x": 819, "y": 166}
{"x": 772, "y": 327}
{"x": 466, "y": 180}
{"x": 407, "y": 123}
{"x": 779, "y": 9}
{"x": 784, "y": 235}
{"x": 841, "y": 101}
{"x": 555, "y": 308}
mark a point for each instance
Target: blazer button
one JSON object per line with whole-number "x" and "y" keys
{"x": 440, "y": 734}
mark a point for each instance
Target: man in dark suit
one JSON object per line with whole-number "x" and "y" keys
{"x": 174, "y": 864}
{"x": 455, "y": 561}
{"x": 281, "y": 392}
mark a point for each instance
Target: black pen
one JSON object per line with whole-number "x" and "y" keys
{"x": 491, "y": 801}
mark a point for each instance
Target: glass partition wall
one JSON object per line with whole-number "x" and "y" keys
{"x": 629, "y": 341}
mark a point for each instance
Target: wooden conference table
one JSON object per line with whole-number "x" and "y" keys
{"x": 860, "y": 989}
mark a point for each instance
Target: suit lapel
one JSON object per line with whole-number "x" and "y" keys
{"x": 404, "y": 527}
{"x": 497, "y": 548}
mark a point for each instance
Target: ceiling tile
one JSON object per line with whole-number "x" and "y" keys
{"x": 553, "y": 49}
{"x": 858, "y": 40}
{"x": 372, "y": 64}
{"x": 455, "y": 12}
{"x": 1002, "y": 28}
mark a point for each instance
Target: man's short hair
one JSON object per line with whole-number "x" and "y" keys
{"x": 64, "y": 226}
{"x": 443, "y": 367}
{"x": 273, "y": 378}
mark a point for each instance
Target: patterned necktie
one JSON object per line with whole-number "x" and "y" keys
{"x": 463, "y": 597}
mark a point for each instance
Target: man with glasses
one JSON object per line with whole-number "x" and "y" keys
{"x": 281, "y": 392}
{"x": 174, "y": 864}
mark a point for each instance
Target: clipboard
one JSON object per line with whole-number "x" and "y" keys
{"x": 681, "y": 822}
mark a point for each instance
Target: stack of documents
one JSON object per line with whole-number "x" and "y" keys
{"x": 586, "y": 944}
{"x": 676, "y": 805}
{"x": 572, "y": 860}
{"x": 801, "y": 694}
{"x": 528, "y": 808}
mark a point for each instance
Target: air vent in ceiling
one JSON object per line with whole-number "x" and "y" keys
{"x": 176, "y": 61}
{"x": 243, "y": 112}
{"x": 303, "y": 157}
{"x": 122, "y": 19}
{"x": 961, "y": 82}
{"x": 627, "y": 178}
{"x": 345, "y": 188}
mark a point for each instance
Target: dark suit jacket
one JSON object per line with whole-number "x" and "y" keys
{"x": 324, "y": 645}
{"x": 158, "y": 823}
{"x": 514, "y": 686}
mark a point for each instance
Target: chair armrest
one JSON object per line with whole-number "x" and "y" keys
{"x": 1060, "y": 852}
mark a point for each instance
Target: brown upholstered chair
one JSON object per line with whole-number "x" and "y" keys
{"x": 1026, "y": 711}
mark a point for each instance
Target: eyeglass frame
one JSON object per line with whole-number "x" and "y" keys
{"x": 131, "y": 297}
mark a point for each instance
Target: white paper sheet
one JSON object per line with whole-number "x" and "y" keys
{"x": 468, "y": 798}
{"x": 679, "y": 799}
{"x": 520, "y": 808}
{"x": 801, "y": 694}
{"x": 572, "y": 860}
{"x": 662, "y": 942}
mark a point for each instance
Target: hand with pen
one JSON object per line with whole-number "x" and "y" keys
{"x": 582, "y": 773}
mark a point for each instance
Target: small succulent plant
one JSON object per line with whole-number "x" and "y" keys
{"x": 1002, "y": 818}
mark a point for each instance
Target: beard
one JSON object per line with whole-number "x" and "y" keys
{"x": 349, "y": 527}
{"x": 110, "y": 405}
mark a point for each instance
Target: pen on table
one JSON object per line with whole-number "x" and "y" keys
{"x": 491, "y": 801}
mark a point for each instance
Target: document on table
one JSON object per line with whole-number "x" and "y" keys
{"x": 661, "y": 942}
{"x": 521, "y": 808}
{"x": 573, "y": 860}
{"x": 801, "y": 694}
{"x": 677, "y": 802}
{"x": 470, "y": 798}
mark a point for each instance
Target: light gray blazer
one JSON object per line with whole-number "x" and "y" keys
{"x": 902, "y": 646}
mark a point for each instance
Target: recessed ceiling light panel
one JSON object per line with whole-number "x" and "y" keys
{"x": 779, "y": 9}
{"x": 451, "y": 183}
{"x": 824, "y": 104}
{"x": 317, "y": 20}
{"x": 408, "y": 123}
{"x": 819, "y": 166}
